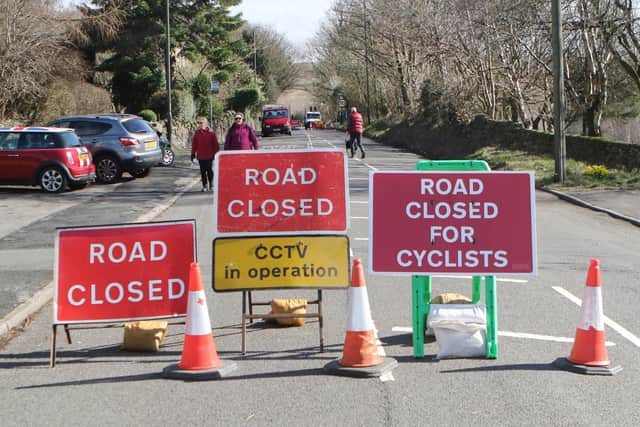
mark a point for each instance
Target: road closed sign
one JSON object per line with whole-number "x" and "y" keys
{"x": 280, "y": 192}
{"x": 123, "y": 272}
{"x": 479, "y": 223}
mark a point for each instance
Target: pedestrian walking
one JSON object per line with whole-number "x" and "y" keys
{"x": 355, "y": 127}
{"x": 204, "y": 146}
{"x": 240, "y": 135}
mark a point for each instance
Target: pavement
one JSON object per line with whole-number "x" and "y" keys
{"x": 620, "y": 204}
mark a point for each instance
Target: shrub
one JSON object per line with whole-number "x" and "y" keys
{"x": 243, "y": 99}
{"x": 596, "y": 171}
{"x": 148, "y": 115}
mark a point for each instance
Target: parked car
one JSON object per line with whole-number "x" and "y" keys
{"x": 118, "y": 142}
{"x": 52, "y": 158}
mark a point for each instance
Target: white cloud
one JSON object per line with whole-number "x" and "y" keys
{"x": 297, "y": 20}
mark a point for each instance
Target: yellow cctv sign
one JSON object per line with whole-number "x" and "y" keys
{"x": 272, "y": 262}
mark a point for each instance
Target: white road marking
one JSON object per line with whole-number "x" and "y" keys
{"x": 513, "y": 335}
{"x": 609, "y": 322}
{"x": 362, "y": 202}
{"x": 161, "y": 208}
{"x": 497, "y": 279}
{"x": 359, "y": 217}
{"x": 541, "y": 337}
{"x": 363, "y": 239}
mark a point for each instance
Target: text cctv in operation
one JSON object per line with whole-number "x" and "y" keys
{"x": 287, "y": 207}
{"x": 450, "y": 234}
{"x": 135, "y": 290}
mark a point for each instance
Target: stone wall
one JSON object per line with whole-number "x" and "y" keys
{"x": 459, "y": 141}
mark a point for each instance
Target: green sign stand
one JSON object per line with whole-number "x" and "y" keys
{"x": 421, "y": 285}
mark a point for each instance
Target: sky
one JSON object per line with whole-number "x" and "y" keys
{"x": 297, "y": 20}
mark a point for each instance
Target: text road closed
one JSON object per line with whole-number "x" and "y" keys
{"x": 453, "y": 222}
{"x": 275, "y": 192}
{"x": 123, "y": 272}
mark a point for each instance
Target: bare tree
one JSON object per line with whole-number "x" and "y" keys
{"x": 274, "y": 59}
{"x": 589, "y": 44}
{"x": 36, "y": 43}
{"x": 625, "y": 44}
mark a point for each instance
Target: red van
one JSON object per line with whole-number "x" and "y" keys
{"x": 275, "y": 118}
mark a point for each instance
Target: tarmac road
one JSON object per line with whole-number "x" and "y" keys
{"x": 280, "y": 380}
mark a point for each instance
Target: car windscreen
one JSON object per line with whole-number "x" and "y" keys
{"x": 137, "y": 126}
{"x": 313, "y": 115}
{"x": 273, "y": 114}
{"x": 63, "y": 140}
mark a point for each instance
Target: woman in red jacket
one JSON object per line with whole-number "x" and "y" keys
{"x": 204, "y": 146}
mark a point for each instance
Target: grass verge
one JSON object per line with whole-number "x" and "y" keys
{"x": 579, "y": 176}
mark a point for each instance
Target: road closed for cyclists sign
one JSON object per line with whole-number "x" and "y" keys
{"x": 452, "y": 222}
{"x": 123, "y": 272}
{"x": 280, "y": 192}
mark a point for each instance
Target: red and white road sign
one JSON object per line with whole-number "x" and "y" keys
{"x": 281, "y": 191}
{"x": 123, "y": 272}
{"x": 452, "y": 222}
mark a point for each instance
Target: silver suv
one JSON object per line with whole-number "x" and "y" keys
{"x": 118, "y": 143}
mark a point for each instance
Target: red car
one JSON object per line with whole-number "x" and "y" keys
{"x": 52, "y": 158}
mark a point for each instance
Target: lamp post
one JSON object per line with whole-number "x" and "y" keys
{"x": 558, "y": 92}
{"x": 167, "y": 64}
{"x": 366, "y": 60}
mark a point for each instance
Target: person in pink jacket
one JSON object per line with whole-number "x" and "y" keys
{"x": 204, "y": 146}
{"x": 240, "y": 135}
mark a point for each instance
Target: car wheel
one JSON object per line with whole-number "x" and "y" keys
{"x": 52, "y": 180}
{"x": 107, "y": 169}
{"x": 168, "y": 157}
{"x": 140, "y": 173}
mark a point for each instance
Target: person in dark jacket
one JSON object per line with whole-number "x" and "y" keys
{"x": 204, "y": 146}
{"x": 355, "y": 127}
{"x": 240, "y": 135}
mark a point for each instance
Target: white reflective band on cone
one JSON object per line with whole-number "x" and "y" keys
{"x": 198, "y": 316}
{"x": 592, "y": 313}
{"x": 358, "y": 311}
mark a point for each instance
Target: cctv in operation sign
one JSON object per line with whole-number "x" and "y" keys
{"x": 298, "y": 261}
{"x": 280, "y": 192}
{"x": 452, "y": 222}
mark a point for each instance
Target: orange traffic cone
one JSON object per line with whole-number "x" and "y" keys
{"x": 199, "y": 359}
{"x": 589, "y": 353}
{"x": 360, "y": 357}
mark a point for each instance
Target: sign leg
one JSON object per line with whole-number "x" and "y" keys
{"x": 52, "y": 354}
{"x": 476, "y": 289}
{"x": 68, "y": 332}
{"x": 320, "y": 320}
{"x": 250, "y": 305}
{"x": 421, "y": 297}
{"x": 244, "y": 326}
{"x": 492, "y": 317}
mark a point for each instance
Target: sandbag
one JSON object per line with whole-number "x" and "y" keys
{"x": 450, "y": 298}
{"x": 447, "y": 298}
{"x": 144, "y": 335}
{"x": 460, "y": 329}
{"x": 287, "y": 306}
